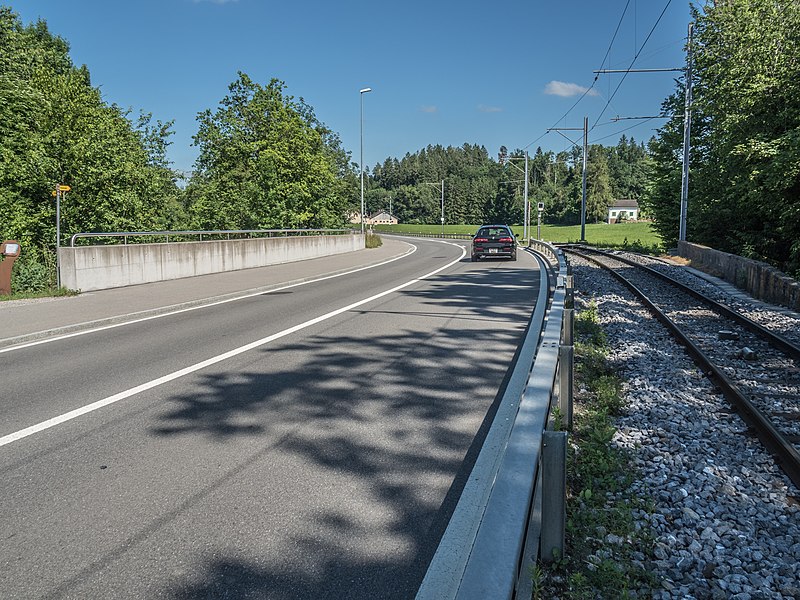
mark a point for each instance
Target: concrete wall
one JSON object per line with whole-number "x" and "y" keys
{"x": 89, "y": 268}
{"x": 758, "y": 279}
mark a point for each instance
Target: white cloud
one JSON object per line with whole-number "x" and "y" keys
{"x": 489, "y": 109}
{"x": 429, "y": 109}
{"x": 565, "y": 90}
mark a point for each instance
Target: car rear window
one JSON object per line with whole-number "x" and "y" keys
{"x": 494, "y": 232}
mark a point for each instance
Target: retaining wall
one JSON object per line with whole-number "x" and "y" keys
{"x": 758, "y": 279}
{"x": 89, "y": 268}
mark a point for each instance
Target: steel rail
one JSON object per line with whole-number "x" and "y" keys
{"x": 785, "y": 453}
{"x": 773, "y": 338}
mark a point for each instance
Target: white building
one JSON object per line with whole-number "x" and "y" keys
{"x": 623, "y": 210}
{"x": 381, "y": 218}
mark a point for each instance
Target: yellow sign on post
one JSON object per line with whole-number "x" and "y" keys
{"x": 64, "y": 188}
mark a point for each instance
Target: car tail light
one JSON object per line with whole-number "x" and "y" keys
{"x": 505, "y": 239}
{"x": 479, "y": 240}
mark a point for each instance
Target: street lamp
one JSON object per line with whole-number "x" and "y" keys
{"x": 442, "y": 208}
{"x": 361, "y": 161}
{"x": 437, "y": 185}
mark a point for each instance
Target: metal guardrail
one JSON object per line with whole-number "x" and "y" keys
{"x": 226, "y": 233}
{"x": 513, "y": 503}
{"x": 446, "y": 236}
{"x": 465, "y": 236}
{"x": 553, "y": 254}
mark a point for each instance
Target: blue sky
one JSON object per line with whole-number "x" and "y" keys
{"x": 442, "y": 72}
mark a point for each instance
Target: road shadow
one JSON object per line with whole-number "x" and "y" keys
{"x": 386, "y": 418}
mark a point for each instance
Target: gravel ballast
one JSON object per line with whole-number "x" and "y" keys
{"x": 726, "y": 522}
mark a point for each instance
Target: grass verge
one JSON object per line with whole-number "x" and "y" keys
{"x": 39, "y": 294}
{"x": 635, "y": 236}
{"x": 606, "y": 555}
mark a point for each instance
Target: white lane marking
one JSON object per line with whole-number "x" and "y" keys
{"x": 182, "y": 310}
{"x": 68, "y": 416}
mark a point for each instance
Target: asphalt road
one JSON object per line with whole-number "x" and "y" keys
{"x": 304, "y": 443}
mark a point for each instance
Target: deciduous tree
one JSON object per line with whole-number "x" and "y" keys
{"x": 267, "y": 162}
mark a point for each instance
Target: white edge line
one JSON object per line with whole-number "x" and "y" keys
{"x": 68, "y": 416}
{"x": 198, "y": 307}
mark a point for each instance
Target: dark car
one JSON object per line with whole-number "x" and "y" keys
{"x": 494, "y": 240}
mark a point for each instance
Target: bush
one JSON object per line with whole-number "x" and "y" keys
{"x": 587, "y": 326}
{"x": 373, "y": 240}
{"x": 32, "y": 276}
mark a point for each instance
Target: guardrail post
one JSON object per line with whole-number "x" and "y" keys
{"x": 566, "y": 356}
{"x": 569, "y": 300}
{"x": 569, "y": 326}
{"x": 554, "y": 494}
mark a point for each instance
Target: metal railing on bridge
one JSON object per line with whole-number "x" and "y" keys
{"x": 446, "y": 236}
{"x": 136, "y": 237}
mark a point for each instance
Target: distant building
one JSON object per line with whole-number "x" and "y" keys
{"x": 623, "y": 210}
{"x": 381, "y": 218}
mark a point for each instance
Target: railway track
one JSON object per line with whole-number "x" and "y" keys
{"x": 758, "y": 370}
{"x": 784, "y": 322}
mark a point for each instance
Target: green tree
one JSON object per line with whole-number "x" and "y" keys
{"x": 662, "y": 197}
{"x": 266, "y": 162}
{"x": 480, "y": 189}
{"x": 598, "y": 185}
{"x": 628, "y": 168}
{"x": 744, "y": 192}
{"x": 56, "y": 128}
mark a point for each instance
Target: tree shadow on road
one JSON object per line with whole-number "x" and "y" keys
{"x": 388, "y": 431}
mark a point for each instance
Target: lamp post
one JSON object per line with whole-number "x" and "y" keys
{"x": 442, "y": 186}
{"x": 361, "y": 160}
{"x": 442, "y": 208}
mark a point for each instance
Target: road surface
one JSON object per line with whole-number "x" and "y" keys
{"x": 308, "y": 442}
